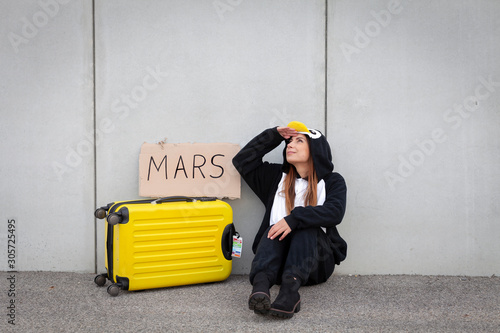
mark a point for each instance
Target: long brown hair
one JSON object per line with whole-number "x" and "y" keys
{"x": 311, "y": 197}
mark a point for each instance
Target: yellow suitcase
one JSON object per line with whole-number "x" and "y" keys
{"x": 166, "y": 242}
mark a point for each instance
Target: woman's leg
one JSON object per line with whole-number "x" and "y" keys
{"x": 270, "y": 259}
{"x": 309, "y": 261}
{"x": 310, "y": 257}
{"x": 324, "y": 263}
{"x": 266, "y": 269}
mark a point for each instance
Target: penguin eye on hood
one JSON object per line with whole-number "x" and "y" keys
{"x": 314, "y": 134}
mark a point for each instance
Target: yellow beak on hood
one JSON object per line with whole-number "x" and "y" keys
{"x": 299, "y": 127}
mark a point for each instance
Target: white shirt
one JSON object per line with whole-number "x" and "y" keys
{"x": 278, "y": 211}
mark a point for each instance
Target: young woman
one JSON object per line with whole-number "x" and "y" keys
{"x": 297, "y": 243}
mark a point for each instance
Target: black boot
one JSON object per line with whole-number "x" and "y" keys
{"x": 288, "y": 301}
{"x": 259, "y": 301}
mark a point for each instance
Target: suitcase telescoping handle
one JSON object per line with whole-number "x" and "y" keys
{"x": 180, "y": 198}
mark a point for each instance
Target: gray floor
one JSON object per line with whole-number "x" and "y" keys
{"x": 71, "y": 302}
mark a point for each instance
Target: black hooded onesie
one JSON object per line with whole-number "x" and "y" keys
{"x": 316, "y": 250}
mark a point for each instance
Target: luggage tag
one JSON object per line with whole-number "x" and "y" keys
{"x": 237, "y": 245}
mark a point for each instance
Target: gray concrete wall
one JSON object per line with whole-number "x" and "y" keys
{"x": 413, "y": 111}
{"x": 409, "y": 112}
{"x": 47, "y": 165}
{"x": 202, "y": 71}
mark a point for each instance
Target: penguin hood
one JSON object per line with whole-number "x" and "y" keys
{"x": 319, "y": 149}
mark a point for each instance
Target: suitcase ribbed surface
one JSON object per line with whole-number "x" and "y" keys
{"x": 172, "y": 244}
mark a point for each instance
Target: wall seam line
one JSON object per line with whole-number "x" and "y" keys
{"x": 326, "y": 69}
{"x": 95, "y": 133}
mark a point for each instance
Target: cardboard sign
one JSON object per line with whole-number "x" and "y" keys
{"x": 189, "y": 169}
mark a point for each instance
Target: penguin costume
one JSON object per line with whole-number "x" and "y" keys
{"x": 297, "y": 243}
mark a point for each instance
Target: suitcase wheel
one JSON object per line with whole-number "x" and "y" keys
{"x": 114, "y": 290}
{"x": 121, "y": 216}
{"x": 100, "y": 213}
{"x": 100, "y": 279}
{"x": 114, "y": 218}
